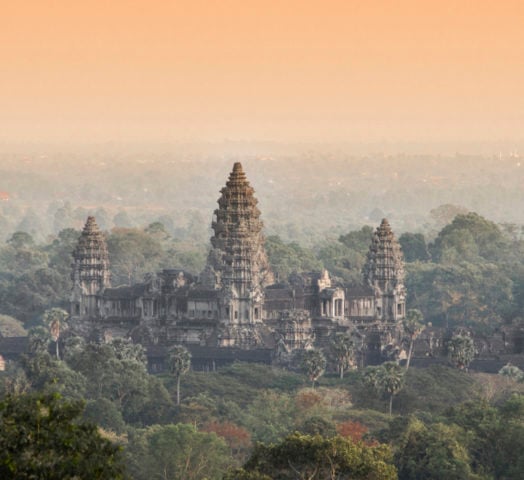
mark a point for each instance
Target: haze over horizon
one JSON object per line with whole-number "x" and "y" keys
{"x": 332, "y": 71}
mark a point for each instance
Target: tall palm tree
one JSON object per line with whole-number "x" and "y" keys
{"x": 314, "y": 364}
{"x": 390, "y": 378}
{"x": 56, "y": 319}
{"x": 413, "y": 327}
{"x": 179, "y": 363}
{"x": 343, "y": 350}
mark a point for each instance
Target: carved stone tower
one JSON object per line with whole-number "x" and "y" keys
{"x": 237, "y": 264}
{"x": 91, "y": 273}
{"x": 384, "y": 273}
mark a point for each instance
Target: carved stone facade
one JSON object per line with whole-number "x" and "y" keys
{"x": 237, "y": 266}
{"x": 384, "y": 273}
{"x": 235, "y": 303}
{"x": 91, "y": 274}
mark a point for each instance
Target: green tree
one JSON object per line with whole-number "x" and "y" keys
{"x": 301, "y": 457}
{"x": 56, "y": 319}
{"x": 20, "y": 255}
{"x": 286, "y": 258}
{"x": 511, "y": 372}
{"x": 59, "y": 250}
{"x": 21, "y": 240}
{"x": 461, "y": 351}
{"x": 123, "y": 381}
{"x": 133, "y": 253}
{"x": 47, "y": 374}
{"x": 370, "y": 376}
{"x": 313, "y": 363}
{"x": 469, "y": 237}
{"x": 178, "y": 364}
{"x": 414, "y": 247}
{"x": 432, "y": 453}
{"x": 127, "y": 350}
{"x": 179, "y": 452}
{"x": 390, "y": 378}
{"x": 358, "y": 240}
{"x": 104, "y": 412}
{"x": 413, "y": 327}
{"x": 341, "y": 260}
{"x": 486, "y": 436}
{"x": 318, "y": 425}
{"x": 41, "y": 437}
{"x": 270, "y": 416}
{"x": 39, "y": 339}
{"x": 343, "y": 350}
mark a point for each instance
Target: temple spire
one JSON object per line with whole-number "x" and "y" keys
{"x": 91, "y": 274}
{"x": 384, "y": 272}
{"x": 238, "y": 263}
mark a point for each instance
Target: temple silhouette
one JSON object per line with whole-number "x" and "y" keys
{"x": 234, "y": 310}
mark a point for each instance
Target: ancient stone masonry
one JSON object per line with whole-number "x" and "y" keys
{"x": 237, "y": 264}
{"x": 384, "y": 273}
{"x": 380, "y": 306}
{"x": 235, "y": 305}
{"x": 91, "y": 274}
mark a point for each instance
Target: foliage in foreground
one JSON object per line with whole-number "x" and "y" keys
{"x": 317, "y": 458}
{"x": 177, "y": 452}
{"x": 40, "y": 437}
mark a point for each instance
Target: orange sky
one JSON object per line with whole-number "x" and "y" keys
{"x": 273, "y": 70}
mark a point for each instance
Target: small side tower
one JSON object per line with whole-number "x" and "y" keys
{"x": 237, "y": 264}
{"x": 384, "y": 273}
{"x": 91, "y": 273}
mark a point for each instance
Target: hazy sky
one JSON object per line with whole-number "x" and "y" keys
{"x": 269, "y": 70}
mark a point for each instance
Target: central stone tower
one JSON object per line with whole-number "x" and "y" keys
{"x": 384, "y": 273}
{"x": 237, "y": 265}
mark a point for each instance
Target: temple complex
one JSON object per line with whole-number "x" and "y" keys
{"x": 234, "y": 308}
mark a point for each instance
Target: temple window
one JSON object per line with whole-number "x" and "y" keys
{"x": 324, "y": 307}
{"x": 236, "y": 315}
{"x": 256, "y": 313}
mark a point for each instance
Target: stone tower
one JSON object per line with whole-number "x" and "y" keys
{"x": 384, "y": 273}
{"x": 91, "y": 273}
{"x": 237, "y": 264}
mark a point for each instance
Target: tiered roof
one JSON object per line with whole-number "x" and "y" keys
{"x": 91, "y": 258}
{"x": 238, "y": 254}
{"x": 384, "y": 267}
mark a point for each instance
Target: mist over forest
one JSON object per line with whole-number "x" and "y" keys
{"x": 459, "y": 220}
{"x": 305, "y": 195}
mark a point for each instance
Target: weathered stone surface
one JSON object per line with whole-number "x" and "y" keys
{"x": 236, "y": 304}
{"x": 238, "y": 260}
{"x": 237, "y": 264}
{"x": 91, "y": 274}
{"x": 384, "y": 273}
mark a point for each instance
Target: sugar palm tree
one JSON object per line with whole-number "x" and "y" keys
{"x": 56, "y": 320}
{"x": 390, "y": 379}
{"x": 413, "y": 327}
{"x": 179, "y": 363}
{"x": 343, "y": 350}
